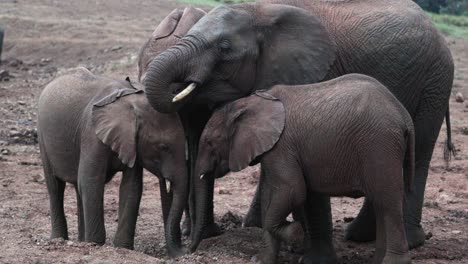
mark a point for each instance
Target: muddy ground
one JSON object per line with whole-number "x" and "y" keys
{"x": 44, "y": 38}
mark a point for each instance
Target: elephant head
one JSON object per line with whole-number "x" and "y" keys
{"x": 171, "y": 29}
{"x": 234, "y": 50}
{"x": 233, "y": 138}
{"x": 126, "y": 123}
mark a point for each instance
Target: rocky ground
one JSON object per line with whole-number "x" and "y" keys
{"x": 44, "y": 38}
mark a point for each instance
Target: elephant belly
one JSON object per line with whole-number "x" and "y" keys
{"x": 334, "y": 182}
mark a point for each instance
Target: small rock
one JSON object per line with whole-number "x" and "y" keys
{"x": 21, "y": 102}
{"x": 115, "y": 48}
{"x": 441, "y": 190}
{"x": 5, "y": 75}
{"x": 70, "y": 243}
{"x": 222, "y": 191}
{"x": 459, "y": 98}
{"x": 46, "y": 60}
{"x": 5, "y": 152}
{"x": 348, "y": 219}
{"x": 428, "y": 235}
{"x": 39, "y": 178}
{"x": 456, "y": 232}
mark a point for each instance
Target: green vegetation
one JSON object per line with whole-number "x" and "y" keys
{"x": 213, "y": 2}
{"x": 456, "y": 26}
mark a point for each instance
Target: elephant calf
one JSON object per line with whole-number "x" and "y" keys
{"x": 345, "y": 137}
{"x": 91, "y": 127}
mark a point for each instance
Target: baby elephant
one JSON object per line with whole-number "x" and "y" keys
{"x": 345, "y": 137}
{"x": 91, "y": 127}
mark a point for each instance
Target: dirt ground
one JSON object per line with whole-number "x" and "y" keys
{"x": 44, "y": 38}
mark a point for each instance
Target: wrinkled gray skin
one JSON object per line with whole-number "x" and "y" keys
{"x": 92, "y": 127}
{"x": 235, "y": 50}
{"x": 171, "y": 29}
{"x": 345, "y": 137}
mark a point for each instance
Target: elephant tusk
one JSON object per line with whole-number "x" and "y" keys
{"x": 201, "y": 176}
{"x": 184, "y": 92}
{"x": 168, "y": 186}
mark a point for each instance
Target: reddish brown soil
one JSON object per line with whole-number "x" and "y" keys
{"x": 46, "y": 37}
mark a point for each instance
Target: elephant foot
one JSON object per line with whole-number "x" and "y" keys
{"x": 54, "y": 236}
{"x": 59, "y": 234}
{"x": 361, "y": 229}
{"x": 211, "y": 230}
{"x": 264, "y": 258}
{"x": 123, "y": 244}
{"x": 415, "y": 236}
{"x": 396, "y": 259}
{"x": 253, "y": 219}
{"x": 176, "y": 252}
{"x": 318, "y": 258}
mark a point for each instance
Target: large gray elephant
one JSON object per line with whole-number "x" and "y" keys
{"x": 235, "y": 50}
{"x": 345, "y": 137}
{"x": 171, "y": 29}
{"x": 92, "y": 127}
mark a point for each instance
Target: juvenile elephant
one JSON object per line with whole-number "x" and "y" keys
{"x": 91, "y": 127}
{"x": 344, "y": 137}
{"x": 236, "y": 50}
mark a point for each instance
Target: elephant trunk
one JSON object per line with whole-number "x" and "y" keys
{"x": 172, "y": 226}
{"x": 171, "y": 76}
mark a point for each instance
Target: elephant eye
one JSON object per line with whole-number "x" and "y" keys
{"x": 224, "y": 45}
{"x": 163, "y": 147}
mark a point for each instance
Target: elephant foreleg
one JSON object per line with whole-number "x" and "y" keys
{"x": 80, "y": 214}
{"x": 131, "y": 188}
{"x": 194, "y": 121}
{"x": 91, "y": 180}
{"x": 317, "y": 222}
{"x": 254, "y": 217}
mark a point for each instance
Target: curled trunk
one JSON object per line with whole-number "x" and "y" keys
{"x": 162, "y": 73}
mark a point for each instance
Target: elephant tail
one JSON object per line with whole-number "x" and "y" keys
{"x": 449, "y": 149}
{"x": 409, "y": 163}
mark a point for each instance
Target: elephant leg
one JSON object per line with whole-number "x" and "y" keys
{"x": 211, "y": 229}
{"x": 381, "y": 241}
{"x": 56, "y": 189}
{"x": 130, "y": 191}
{"x": 275, "y": 226}
{"x": 254, "y": 215}
{"x": 194, "y": 121}
{"x": 427, "y": 124}
{"x": 363, "y": 227}
{"x": 91, "y": 180}
{"x": 318, "y": 227}
{"x": 80, "y": 214}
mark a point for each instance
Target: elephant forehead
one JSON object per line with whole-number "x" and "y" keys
{"x": 221, "y": 20}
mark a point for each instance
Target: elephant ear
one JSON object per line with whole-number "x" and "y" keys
{"x": 176, "y": 24}
{"x": 256, "y": 124}
{"x": 115, "y": 124}
{"x": 296, "y": 48}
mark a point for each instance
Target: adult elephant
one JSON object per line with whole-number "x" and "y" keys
{"x": 171, "y": 29}
{"x": 235, "y": 50}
